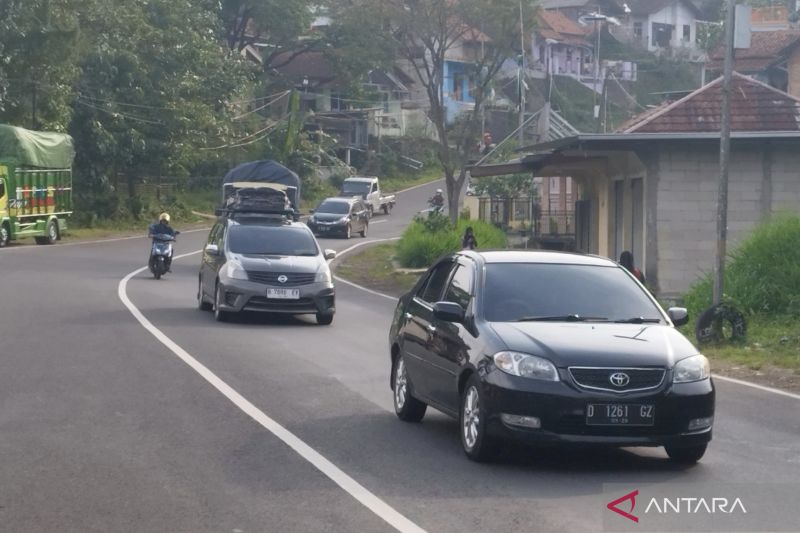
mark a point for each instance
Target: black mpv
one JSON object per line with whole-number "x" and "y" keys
{"x": 548, "y": 347}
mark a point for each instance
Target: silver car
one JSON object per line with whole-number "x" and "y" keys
{"x": 262, "y": 264}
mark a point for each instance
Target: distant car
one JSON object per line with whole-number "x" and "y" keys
{"x": 548, "y": 347}
{"x": 268, "y": 264}
{"x": 340, "y": 216}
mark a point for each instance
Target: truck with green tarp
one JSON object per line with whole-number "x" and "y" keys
{"x": 35, "y": 184}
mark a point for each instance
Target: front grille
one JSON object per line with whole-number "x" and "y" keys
{"x": 293, "y": 279}
{"x": 600, "y": 378}
{"x": 260, "y": 303}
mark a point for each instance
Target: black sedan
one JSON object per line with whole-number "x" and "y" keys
{"x": 341, "y": 216}
{"x": 547, "y": 348}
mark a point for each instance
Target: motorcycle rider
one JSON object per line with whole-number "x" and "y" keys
{"x": 162, "y": 227}
{"x": 438, "y": 199}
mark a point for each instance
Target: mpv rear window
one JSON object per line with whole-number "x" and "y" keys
{"x": 272, "y": 240}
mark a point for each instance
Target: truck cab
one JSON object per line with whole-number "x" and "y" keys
{"x": 369, "y": 189}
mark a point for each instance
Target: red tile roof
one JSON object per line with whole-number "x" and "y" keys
{"x": 555, "y": 25}
{"x": 755, "y": 106}
{"x": 766, "y": 48}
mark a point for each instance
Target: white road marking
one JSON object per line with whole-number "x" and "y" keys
{"x": 82, "y": 243}
{"x": 757, "y": 386}
{"x": 418, "y": 186}
{"x": 376, "y": 293}
{"x": 334, "y": 473}
{"x": 378, "y": 222}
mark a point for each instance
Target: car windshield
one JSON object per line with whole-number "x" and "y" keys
{"x": 336, "y": 208}
{"x": 569, "y": 293}
{"x": 272, "y": 240}
{"x": 355, "y": 187}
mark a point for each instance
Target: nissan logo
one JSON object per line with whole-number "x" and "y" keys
{"x": 283, "y": 279}
{"x": 619, "y": 379}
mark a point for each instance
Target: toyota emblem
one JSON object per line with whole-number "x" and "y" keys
{"x": 619, "y": 379}
{"x": 283, "y": 279}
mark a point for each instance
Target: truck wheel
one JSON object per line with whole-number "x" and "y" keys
{"x": 386, "y": 209}
{"x": 52, "y": 232}
{"x": 5, "y": 235}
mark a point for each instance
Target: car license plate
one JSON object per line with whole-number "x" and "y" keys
{"x": 620, "y": 414}
{"x": 284, "y": 294}
{"x": 323, "y": 229}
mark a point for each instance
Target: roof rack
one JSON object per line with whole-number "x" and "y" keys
{"x": 261, "y": 202}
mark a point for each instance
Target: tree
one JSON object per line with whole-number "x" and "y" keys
{"x": 424, "y": 33}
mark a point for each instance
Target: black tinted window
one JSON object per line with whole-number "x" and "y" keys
{"x": 460, "y": 289}
{"x": 432, "y": 290}
{"x": 271, "y": 240}
{"x": 213, "y": 236}
{"x": 336, "y": 208}
{"x": 517, "y": 290}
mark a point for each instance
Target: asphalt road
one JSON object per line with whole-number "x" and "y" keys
{"x": 104, "y": 428}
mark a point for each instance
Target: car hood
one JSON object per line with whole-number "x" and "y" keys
{"x": 281, "y": 263}
{"x": 597, "y": 344}
{"x": 327, "y": 217}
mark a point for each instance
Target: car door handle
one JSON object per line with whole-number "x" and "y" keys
{"x": 431, "y": 328}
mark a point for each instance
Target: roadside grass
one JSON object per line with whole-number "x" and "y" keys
{"x": 374, "y": 267}
{"x": 427, "y": 239}
{"x": 762, "y": 281}
{"x": 400, "y": 180}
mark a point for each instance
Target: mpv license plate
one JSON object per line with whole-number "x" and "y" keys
{"x": 284, "y": 294}
{"x": 620, "y": 414}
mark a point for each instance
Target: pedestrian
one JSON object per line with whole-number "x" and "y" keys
{"x": 626, "y": 260}
{"x": 468, "y": 241}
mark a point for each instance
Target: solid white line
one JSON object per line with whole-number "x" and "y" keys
{"x": 418, "y": 186}
{"x": 334, "y": 473}
{"x": 378, "y": 222}
{"x": 99, "y": 241}
{"x": 757, "y": 386}
{"x": 376, "y": 293}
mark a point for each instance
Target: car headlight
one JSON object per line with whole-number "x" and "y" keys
{"x": 693, "y": 368}
{"x": 526, "y": 366}
{"x": 343, "y": 220}
{"x": 323, "y": 276}
{"x": 235, "y": 270}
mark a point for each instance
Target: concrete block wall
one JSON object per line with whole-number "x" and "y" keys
{"x": 786, "y": 180}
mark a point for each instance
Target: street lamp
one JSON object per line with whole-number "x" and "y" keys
{"x": 597, "y": 18}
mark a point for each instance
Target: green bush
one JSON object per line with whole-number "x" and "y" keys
{"x": 762, "y": 275}
{"x": 429, "y": 238}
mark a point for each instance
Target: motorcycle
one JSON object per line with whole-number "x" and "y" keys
{"x": 434, "y": 208}
{"x": 161, "y": 253}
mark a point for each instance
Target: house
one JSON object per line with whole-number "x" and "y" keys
{"x": 573, "y": 9}
{"x": 773, "y": 57}
{"x": 397, "y": 114}
{"x": 659, "y": 26}
{"x": 560, "y": 46}
{"x": 651, "y": 188}
{"x": 769, "y": 18}
{"x": 459, "y": 72}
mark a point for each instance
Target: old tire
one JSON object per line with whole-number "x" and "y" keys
{"x": 5, "y": 235}
{"x": 686, "y": 455}
{"x": 477, "y": 444}
{"x": 406, "y": 407}
{"x": 721, "y": 322}
{"x": 52, "y": 232}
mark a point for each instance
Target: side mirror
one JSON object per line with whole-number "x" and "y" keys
{"x": 330, "y": 254}
{"x": 212, "y": 249}
{"x": 448, "y": 311}
{"x": 678, "y": 315}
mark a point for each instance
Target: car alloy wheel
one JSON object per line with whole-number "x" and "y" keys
{"x": 407, "y": 408}
{"x": 202, "y": 304}
{"x": 477, "y": 444}
{"x": 219, "y": 314}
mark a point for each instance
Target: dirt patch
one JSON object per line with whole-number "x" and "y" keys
{"x": 767, "y": 375}
{"x": 374, "y": 268}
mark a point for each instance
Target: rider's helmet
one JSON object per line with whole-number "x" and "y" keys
{"x": 438, "y": 191}
{"x": 163, "y": 217}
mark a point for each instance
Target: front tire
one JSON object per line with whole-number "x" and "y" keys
{"x": 219, "y": 314}
{"x": 406, "y": 407}
{"x": 348, "y": 232}
{"x": 477, "y": 444}
{"x": 686, "y": 455}
{"x": 324, "y": 319}
{"x": 158, "y": 267}
{"x": 202, "y": 304}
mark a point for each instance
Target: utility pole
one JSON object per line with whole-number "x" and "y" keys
{"x": 595, "y": 106}
{"x": 34, "y": 121}
{"x": 724, "y": 156}
{"x": 521, "y": 132}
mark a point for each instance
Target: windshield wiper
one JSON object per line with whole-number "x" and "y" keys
{"x": 638, "y": 320}
{"x": 563, "y": 318}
